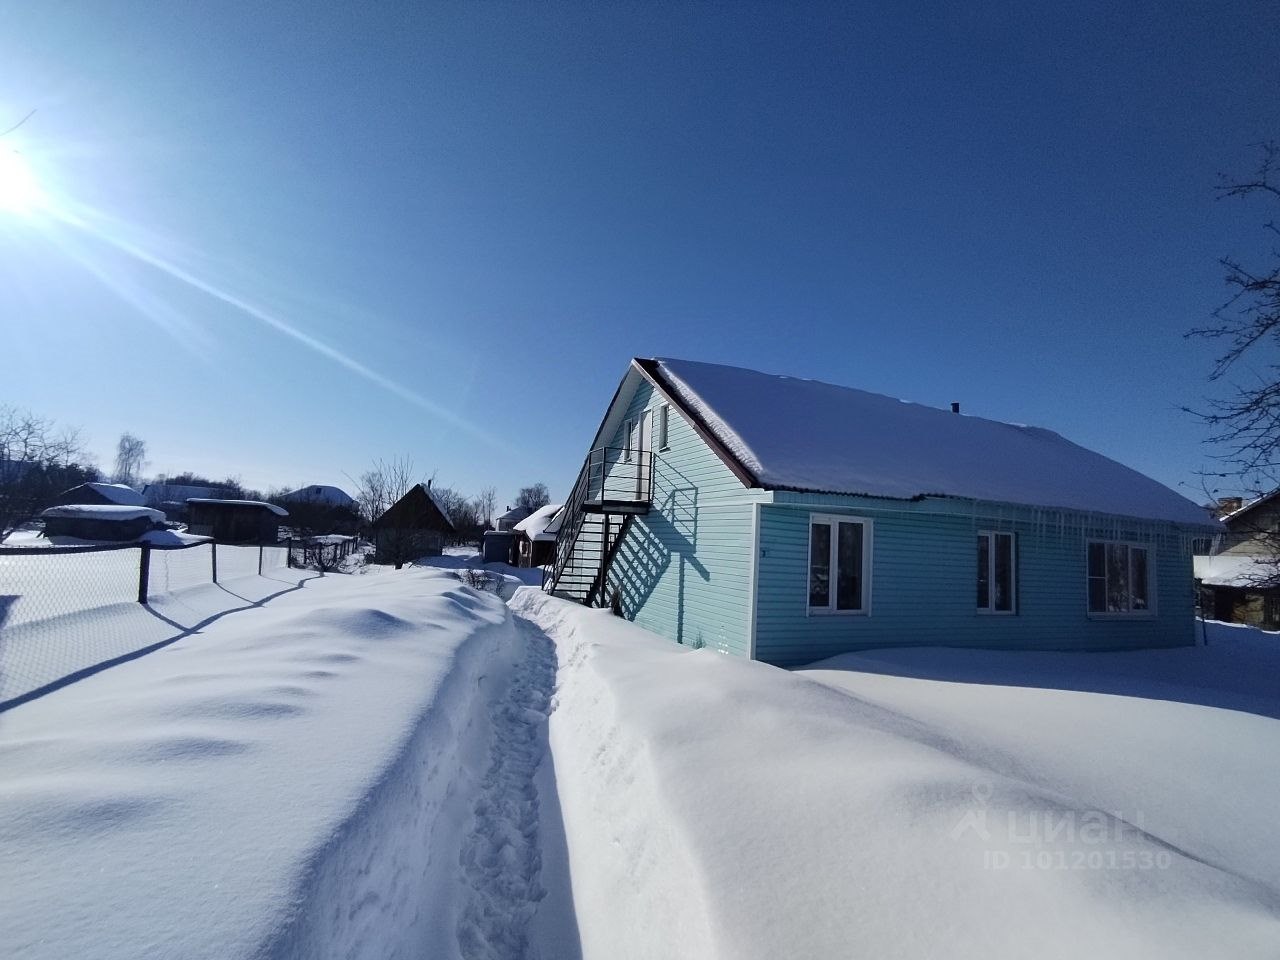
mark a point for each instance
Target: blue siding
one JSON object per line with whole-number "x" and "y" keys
{"x": 923, "y": 573}
{"x": 683, "y": 571}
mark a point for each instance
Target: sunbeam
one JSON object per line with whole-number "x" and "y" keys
{"x": 83, "y": 222}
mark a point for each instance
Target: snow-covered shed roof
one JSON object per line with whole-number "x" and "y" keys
{"x": 102, "y": 511}
{"x": 209, "y": 501}
{"x": 543, "y": 523}
{"x": 513, "y": 513}
{"x": 117, "y": 493}
{"x": 794, "y": 434}
{"x": 320, "y": 493}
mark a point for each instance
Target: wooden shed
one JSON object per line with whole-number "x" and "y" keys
{"x": 95, "y": 521}
{"x": 235, "y": 521}
{"x": 414, "y": 526}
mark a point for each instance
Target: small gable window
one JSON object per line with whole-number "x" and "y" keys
{"x": 839, "y": 564}
{"x": 997, "y": 573}
{"x": 1119, "y": 579}
{"x": 664, "y": 419}
{"x": 628, "y": 438}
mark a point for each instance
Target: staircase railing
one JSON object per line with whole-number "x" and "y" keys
{"x": 608, "y": 474}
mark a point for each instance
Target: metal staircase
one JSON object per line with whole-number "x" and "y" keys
{"x": 614, "y": 486}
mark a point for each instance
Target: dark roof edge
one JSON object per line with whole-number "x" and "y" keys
{"x": 653, "y": 374}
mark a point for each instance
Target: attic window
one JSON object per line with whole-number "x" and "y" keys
{"x": 664, "y": 418}
{"x": 628, "y": 438}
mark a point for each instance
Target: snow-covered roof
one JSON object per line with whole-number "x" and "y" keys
{"x": 320, "y": 493}
{"x": 102, "y": 511}
{"x": 1236, "y": 569}
{"x": 513, "y": 513}
{"x": 117, "y": 493}
{"x": 808, "y": 435}
{"x": 1247, "y": 508}
{"x": 277, "y": 510}
{"x": 543, "y": 523}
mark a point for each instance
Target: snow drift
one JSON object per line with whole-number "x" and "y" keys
{"x": 287, "y": 784}
{"x": 716, "y": 807}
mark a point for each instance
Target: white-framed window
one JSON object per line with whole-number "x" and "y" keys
{"x": 839, "y": 564}
{"x": 664, "y": 420}
{"x": 628, "y": 438}
{"x": 1120, "y": 579}
{"x": 997, "y": 573}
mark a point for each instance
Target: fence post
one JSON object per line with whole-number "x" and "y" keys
{"x": 213, "y": 554}
{"x": 144, "y": 572}
{"x": 288, "y": 552}
{"x": 259, "y": 559}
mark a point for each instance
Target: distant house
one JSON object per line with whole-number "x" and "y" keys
{"x": 321, "y": 509}
{"x": 789, "y": 520}
{"x": 536, "y": 536}
{"x": 235, "y": 521}
{"x": 321, "y": 494}
{"x": 414, "y": 526}
{"x": 1239, "y": 572}
{"x": 508, "y": 520}
{"x": 100, "y": 493}
{"x": 96, "y": 521}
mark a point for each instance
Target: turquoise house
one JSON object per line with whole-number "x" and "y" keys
{"x": 788, "y": 520}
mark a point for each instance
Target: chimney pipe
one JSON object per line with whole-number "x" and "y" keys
{"x": 955, "y": 406}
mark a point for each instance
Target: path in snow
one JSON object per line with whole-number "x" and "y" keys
{"x": 501, "y": 858}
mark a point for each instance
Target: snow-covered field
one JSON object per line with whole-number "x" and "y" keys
{"x": 398, "y": 765}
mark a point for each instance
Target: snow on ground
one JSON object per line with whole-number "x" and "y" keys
{"x": 395, "y": 765}
{"x": 715, "y": 807}
{"x": 327, "y": 776}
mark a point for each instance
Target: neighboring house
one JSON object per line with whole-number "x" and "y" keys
{"x": 235, "y": 521}
{"x": 790, "y": 520}
{"x": 414, "y": 526}
{"x": 321, "y": 494}
{"x": 96, "y": 521}
{"x": 536, "y": 536}
{"x": 1239, "y": 573}
{"x": 508, "y": 520}
{"x": 321, "y": 509}
{"x": 100, "y": 493}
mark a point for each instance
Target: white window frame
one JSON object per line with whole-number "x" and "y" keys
{"x": 1146, "y": 614}
{"x": 628, "y": 429}
{"x": 664, "y": 426}
{"x": 831, "y": 520}
{"x": 990, "y": 609}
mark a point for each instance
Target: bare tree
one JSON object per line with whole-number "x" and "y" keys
{"x": 486, "y": 504}
{"x": 383, "y": 484}
{"x": 1246, "y": 422}
{"x": 532, "y": 497}
{"x": 37, "y": 460}
{"x": 131, "y": 455}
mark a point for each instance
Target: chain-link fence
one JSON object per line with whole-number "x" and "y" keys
{"x": 68, "y": 610}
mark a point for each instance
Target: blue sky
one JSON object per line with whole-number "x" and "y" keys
{"x": 452, "y": 224}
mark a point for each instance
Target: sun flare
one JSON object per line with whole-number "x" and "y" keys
{"x": 20, "y": 190}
